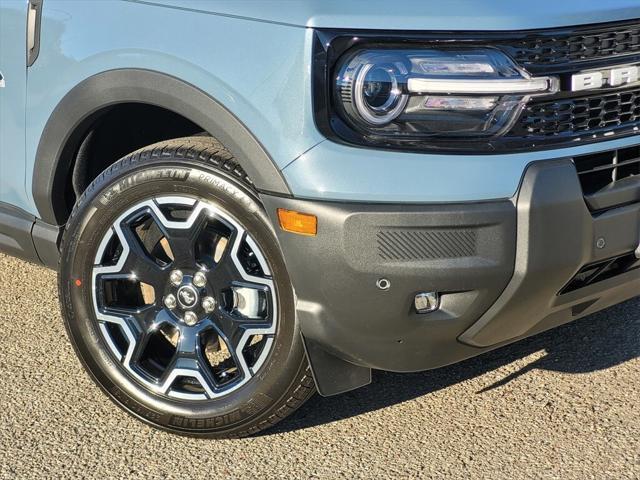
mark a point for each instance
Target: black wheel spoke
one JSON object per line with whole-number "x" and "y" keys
{"x": 189, "y": 360}
{"x": 142, "y": 340}
{"x": 182, "y": 246}
{"x": 143, "y": 325}
{"x": 227, "y": 271}
{"x": 188, "y": 344}
{"x": 139, "y": 265}
{"x": 232, "y": 329}
{"x": 163, "y": 316}
{"x": 183, "y": 240}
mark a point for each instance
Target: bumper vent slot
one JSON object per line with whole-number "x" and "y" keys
{"x": 583, "y": 44}
{"x": 422, "y": 244}
{"x": 602, "y": 270}
{"x": 611, "y": 178}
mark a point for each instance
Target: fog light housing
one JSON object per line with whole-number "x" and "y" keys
{"x": 425, "y": 302}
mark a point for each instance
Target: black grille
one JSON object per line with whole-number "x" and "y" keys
{"x": 591, "y": 43}
{"x": 602, "y": 270}
{"x": 610, "y": 178}
{"x": 593, "y": 114}
{"x": 566, "y": 117}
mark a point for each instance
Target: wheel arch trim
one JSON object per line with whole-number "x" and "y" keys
{"x": 83, "y": 102}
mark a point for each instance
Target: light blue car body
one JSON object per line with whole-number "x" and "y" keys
{"x": 254, "y": 58}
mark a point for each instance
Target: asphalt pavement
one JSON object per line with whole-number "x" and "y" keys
{"x": 564, "y": 404}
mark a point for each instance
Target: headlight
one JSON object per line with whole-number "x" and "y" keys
{"x": 394, "y": 94}
{"x": 373, "y": 89}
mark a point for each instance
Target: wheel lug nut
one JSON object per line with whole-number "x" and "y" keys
{"x": 209, "y": 304}
{"x": 190, "y": 318}
{"x": 176, "y": 277}
{"x": 199, "y": 279}
{"x": 170, "y": 302}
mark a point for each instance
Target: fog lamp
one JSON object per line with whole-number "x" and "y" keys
{"x": 426, "y": 302}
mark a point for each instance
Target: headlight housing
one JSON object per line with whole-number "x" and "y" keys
{"x": 422, "y": 97}
{"x": 433, "y": 92}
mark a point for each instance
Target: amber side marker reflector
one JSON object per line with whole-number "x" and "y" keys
{"x": 296, "y": 222}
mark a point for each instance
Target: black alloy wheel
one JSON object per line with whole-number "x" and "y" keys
{"x": 176, "y": 296}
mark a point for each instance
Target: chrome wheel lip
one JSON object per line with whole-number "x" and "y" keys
{"x": 213, "y": 210}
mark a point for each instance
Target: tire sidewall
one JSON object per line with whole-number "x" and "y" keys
{"x": 113, "y": 193}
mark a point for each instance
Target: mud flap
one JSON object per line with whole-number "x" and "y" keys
{"x": 331, "y": 374}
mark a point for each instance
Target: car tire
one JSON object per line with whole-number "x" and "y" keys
{"x": 183, "y": 329}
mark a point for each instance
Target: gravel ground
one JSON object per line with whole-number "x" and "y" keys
{"x": 564, "y": 405}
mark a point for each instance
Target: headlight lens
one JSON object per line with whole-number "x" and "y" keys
{"x": 439, "y": 92}
{"x": 377, "y": 92}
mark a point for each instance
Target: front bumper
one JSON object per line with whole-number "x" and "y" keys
{"x": 500, "y": 267}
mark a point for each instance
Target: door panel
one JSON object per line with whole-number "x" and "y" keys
{"x": 13, "y": 66}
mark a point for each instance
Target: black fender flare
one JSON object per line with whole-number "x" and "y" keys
{"x": 69, "y": 121}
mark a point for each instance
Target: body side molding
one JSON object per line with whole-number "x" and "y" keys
{"x": 15, "y": 233}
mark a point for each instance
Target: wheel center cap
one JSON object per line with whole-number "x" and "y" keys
{"x": 187, "y": 297}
